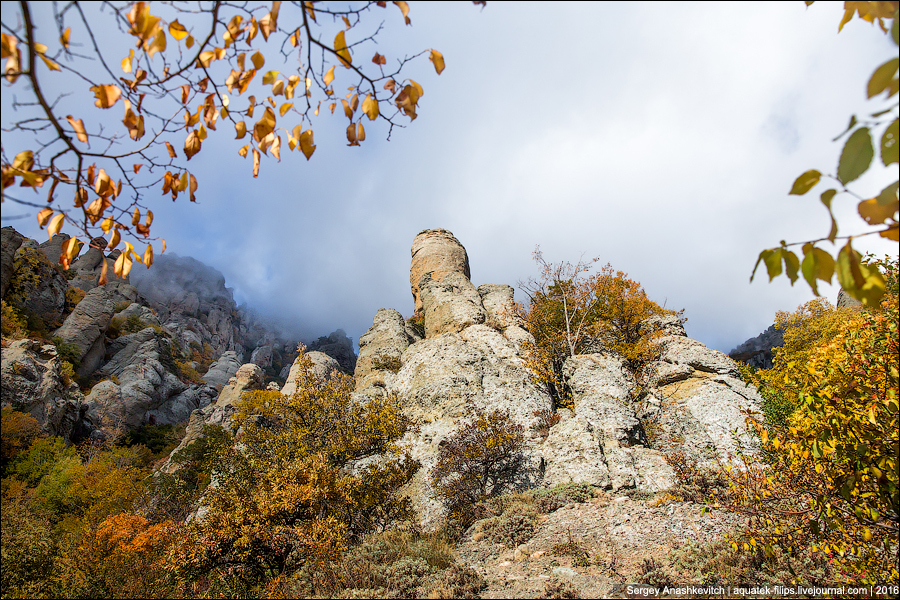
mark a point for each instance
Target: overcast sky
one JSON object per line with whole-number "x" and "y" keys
{"x": 662, "y": 138}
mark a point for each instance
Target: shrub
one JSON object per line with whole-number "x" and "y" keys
{"x": 483, "y": 459}
{"x": 386, "y": 362}
{"x": 285, "y": 497}
{"x": 831, "y": 482}
{"x": 571, "y": 313}
{"x": 559, "y": 589}
{"x": 12, "y": 324}
{"x": 73, "y": 297}
{"x": 695, "y": 484}
{"x": 546, "y": 420}
{"x": 69, "y": 353}
{"x": 19, "y": 430}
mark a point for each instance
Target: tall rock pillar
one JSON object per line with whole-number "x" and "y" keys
{"x": 435, "y": 251}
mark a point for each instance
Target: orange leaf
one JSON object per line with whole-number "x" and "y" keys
{"x": 107, "y": 95}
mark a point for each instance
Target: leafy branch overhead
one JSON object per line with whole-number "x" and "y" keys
{"x": 862, "y": 281}
{"x": 190, "y": 72}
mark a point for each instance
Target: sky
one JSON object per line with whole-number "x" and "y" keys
{"x": 661, "y": 138}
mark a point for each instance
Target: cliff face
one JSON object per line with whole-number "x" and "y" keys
{"x": 149, "y": 349}
{"x": 468, "y": 356}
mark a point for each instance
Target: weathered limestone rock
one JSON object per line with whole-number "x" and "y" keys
{"x": 450, "y": 305}
{"x": 9, "y": 244}
{"x": 380, "y": 349}
{"x": 248, "y": 378}
{"x": 435, "y": 251}
{"x": 31, "y": 382}
{"x": 499, "y": 305}
{"x": 685, "y": 351}
{"x": 144, "y": 384}
{"x": 222, "y": 370}
{"x": 85, "y": 327}
{"x": 37, "y": 286}
{"x": 844, "y": 300}
{"x": 262, "y": 356}
{"x": 323, "y": 366}
{"x": 143, "y": 313}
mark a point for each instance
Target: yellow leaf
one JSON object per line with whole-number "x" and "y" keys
{"x": 340, "y": 47}
{"x": 64, "y": 38}
{"x": 192, "y": 144}
{"x": 265, "y": 125}
{"x": 306, "y": 143}
{"x": 148, "y": 255}
{"x": 438, "y": 59}
{"x": 347, "y": 22}
{"x": 404, "y": 8}
{"x": 177, "y": 30}
{"x": 68, "y": 252}
{"x": 370, "y": 107}
{"x": 351, "y": 135}
{"x": 347, "y": 111}
{"x": 255, "y": 162}
{"x": 285, "y": 107}
{"x": 269, "y": 77}
{"x": 164, "y": 247}
{"x": 158, "y": 45}
{"x": 171, "y": 150}
{"x": 258, "y": 60}
{"x": 241, "y": 129}
{"x": 136, "y": 217}
{"x": 104, "y": 279}
{"x": 329, "y": 76}
{"x": 276, "y": 148}
{"x": 243, "y": 151}
{"x": 107, "y": 224}
{"x": 43, "y": 216}
{"x": 360, "y": 132}
{"x": 78, "y": 126}
{"x": 50, "y": 64}
{"x": 278, "y": 88}
{"x": 55, "y": 225}
{"x": 107, "y": 95}
{"x": 875, "y": 213}
{"x": 114, "y": 240}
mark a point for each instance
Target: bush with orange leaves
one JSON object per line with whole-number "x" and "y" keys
{"x": 571, "y": 312}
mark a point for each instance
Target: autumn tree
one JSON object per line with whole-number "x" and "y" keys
{"x": 858, "y": 278}
{"x": 293, "y": 491}
{"x": 571, "y": 312}
{"x": 191, "y": 71}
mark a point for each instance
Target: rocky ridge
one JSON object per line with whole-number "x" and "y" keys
{"x": 467, "y": 356}
{"x": 153, "y": 347}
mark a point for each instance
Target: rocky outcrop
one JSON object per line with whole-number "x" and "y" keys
{"x": 11, "y": 240}
{"x": 323, "y": 367}
{"x": 88, "y": 267}
{"x": 32, "y": 382}
{"x": 139, "y": 384}
{"x": 437, "y": 252}
{"x": 845, "y": 300}
{"x": 248, "y": 378}
{"x": 338, "y": 346}
{"x": 85, "y": 327}
{"x": 222, "y": 370}
{"x": 471, "y": 359}
{"x": 36, "y": 286}
{"x": 380, "y": 349}
{"x": 758, "y": 352}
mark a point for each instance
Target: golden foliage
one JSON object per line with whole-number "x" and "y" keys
{"x": 202, "y": 69}
{"x": 288, "y": 493}
{"x": 830, "y": 481}
{"x": 572, "y": 313}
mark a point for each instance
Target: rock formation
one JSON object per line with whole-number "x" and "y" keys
{"x": 134, "y": 348}
{"x": 435, "y": 251}
{"x": 757, "y": 352}
{"x": 470, "y": 357}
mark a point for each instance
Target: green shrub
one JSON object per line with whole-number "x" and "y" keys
{"x": 67, "y": 352}
{"x": 73, "y": 297}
